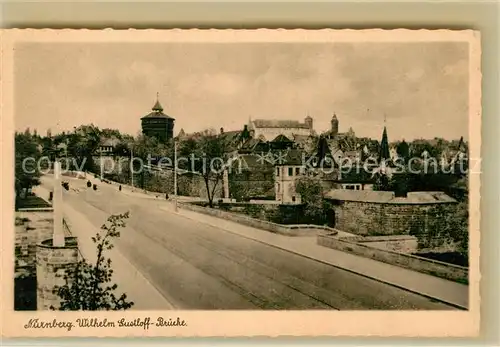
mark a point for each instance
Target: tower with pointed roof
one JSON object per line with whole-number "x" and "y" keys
{"x": 158, "y": 124}
{"x": 309, "y": 122}
{"x": 334, "y": 129}
{"x": 384, "y": 147}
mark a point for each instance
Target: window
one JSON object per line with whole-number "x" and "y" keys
{"x": 290, "y": 171}
{"x": 293, "y": 198}
{"x": 297, "y": 171}
{"x": 278, "y": 186}
{"x": 278, "y": 171}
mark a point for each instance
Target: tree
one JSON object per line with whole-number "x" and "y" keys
{"x": 89, "y": 286}
{"x": 315, "y": 206}
{"x": 83, "y": 143}
{"x": 206, "y": 155}
{"x": 27, "y": 172}
{"x": 144, "y": 148}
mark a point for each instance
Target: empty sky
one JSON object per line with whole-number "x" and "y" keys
{"x": 422, "y": 88}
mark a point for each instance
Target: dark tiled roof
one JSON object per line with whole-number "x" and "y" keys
{"x": 281, "y": 138}
{"x": 274, "y": 123}
{"x": 250, "y": 143}
{"x": 356, "y": 175}
{"x": 156, "y": 114}
{"x": 301, "y": 138}
{"x": 292, "y": 157}
{"x": 232, "y": 135}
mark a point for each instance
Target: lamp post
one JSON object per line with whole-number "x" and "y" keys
{"x": 100, "y": 160}
{"x": 175, "y": 175}
{"x": 132, "y": 166}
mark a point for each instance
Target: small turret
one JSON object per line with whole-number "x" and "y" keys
{"x": 309, "y": 122}
{"x": 334, "y": 130}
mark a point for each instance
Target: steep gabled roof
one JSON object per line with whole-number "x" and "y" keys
{"x": 281, "y": 138}
{"x": 290, "y": 157}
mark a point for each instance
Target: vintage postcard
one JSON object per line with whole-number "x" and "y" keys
{"x": 240, "y": 182}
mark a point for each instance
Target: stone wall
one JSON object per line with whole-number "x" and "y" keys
{"x": 288, "y": 230}
{"x": 52, "y": 264}
{"x": 396, "y": 243}
{"x": 426, "y": 221}
{"x": 194, "y": 185}
{"x": 271, "y": 212}
{"x": 32, "y": 227}
{"x": 415, "y": 263}
{"x": 159, "y": 181}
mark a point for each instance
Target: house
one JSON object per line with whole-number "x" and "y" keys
{"x": 107, "y": 146}
{"x": 356, "y": 178}
{"x": 287, "y": 172}
{"x": 307, "y": 143}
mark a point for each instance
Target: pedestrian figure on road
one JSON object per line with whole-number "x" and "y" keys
{"x": 166, "y": 196}
{"x": 120, "y": 188}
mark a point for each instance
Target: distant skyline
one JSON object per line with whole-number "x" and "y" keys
{"x": 421, "y": 88}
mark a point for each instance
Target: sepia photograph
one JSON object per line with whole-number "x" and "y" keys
{"x": 247, "y": 171}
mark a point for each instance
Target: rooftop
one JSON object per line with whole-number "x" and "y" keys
{"x": 389, "y": 197}
{"x": 109, "y": 142}
{"x": 275, "y": 123}
{"x": 292, "y": 157}
{"x": 157, "y": 112}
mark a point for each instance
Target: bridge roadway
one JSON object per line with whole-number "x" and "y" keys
{"x": 197, "y": 266}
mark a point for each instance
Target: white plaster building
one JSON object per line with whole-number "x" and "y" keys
{"x": 285, "y": 176}
{"x": 269, "y": 129}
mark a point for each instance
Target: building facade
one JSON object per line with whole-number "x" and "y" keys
{"x": 157, "y": 124}
{"x": 286, "y": 175}
{"x": 269, "y": 129}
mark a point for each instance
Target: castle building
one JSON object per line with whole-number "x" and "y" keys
{"x": 158, "y": 124}
{"x": 269, "y": 129}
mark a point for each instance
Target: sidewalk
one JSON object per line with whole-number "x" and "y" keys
{"x": 130, "y": 280}
{"x": 450, "y": 292}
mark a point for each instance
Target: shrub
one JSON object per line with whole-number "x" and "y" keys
{"x": 89, "y": 286}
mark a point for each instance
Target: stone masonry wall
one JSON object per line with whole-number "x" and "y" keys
{"x": 288, "y": 230}
{"x": 415, "y": 263}
{"x": 160, "y": 182}
{"x": 32, "y": 227}
{"x": 425, "y": 221}
{"x": 53, "y": 263}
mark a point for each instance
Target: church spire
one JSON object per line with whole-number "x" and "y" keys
{"x": 384, "y": 146}
{"x": 157, "y": 106}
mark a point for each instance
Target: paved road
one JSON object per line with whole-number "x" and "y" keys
{"x": 197, "y": 266}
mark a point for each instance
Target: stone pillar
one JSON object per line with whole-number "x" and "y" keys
{"x": 225, "y": 181}
{"x": 55, "y": 256}
{"x": 52, "y": 264}
{"x": 57, "y": 204}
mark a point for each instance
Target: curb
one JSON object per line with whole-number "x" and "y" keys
{"x": 458, "y": 306}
